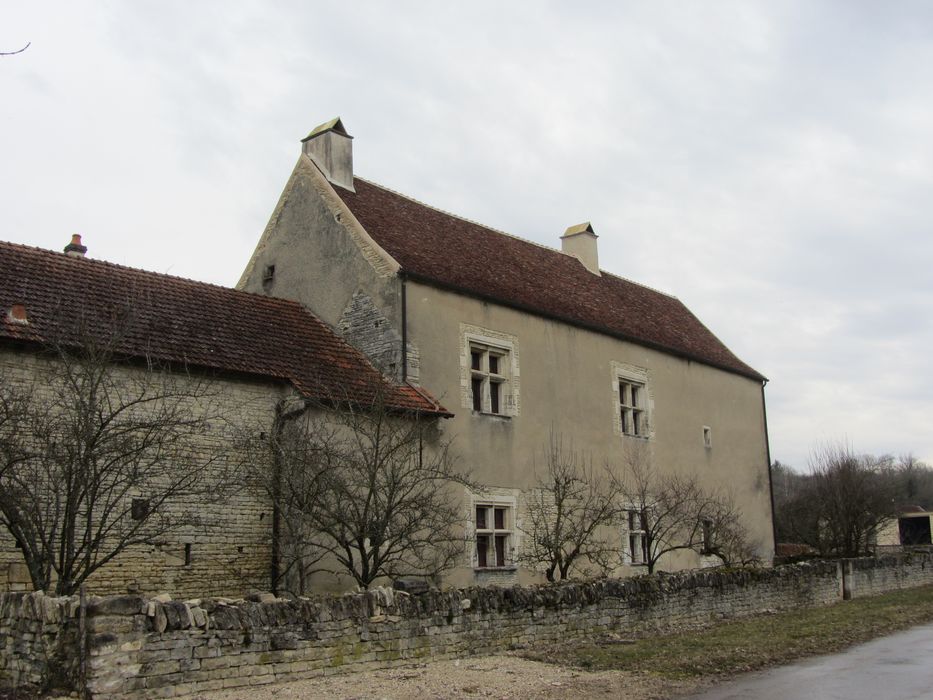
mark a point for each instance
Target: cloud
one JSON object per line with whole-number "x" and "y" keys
{"x": 768, "y": 163}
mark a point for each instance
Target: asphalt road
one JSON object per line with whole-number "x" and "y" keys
{"x": 897, "y": 667}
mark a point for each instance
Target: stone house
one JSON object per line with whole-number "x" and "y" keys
{"x": 518, "y": 340}
{"x": 258, "y": 352}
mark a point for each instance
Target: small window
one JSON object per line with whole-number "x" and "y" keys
{"x": 493, "y": 544}
{"x": 707, "y": 543}
{"x": 139, "y": 509}
{"x": 188, "y": 554}
{"x": 707, "y": 436}
{"x": 636, "y": 542}
{"x": 268, "y": 274}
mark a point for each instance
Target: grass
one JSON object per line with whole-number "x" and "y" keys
{"x": 751, "y": 643}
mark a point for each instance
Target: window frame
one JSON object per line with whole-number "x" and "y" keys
{"x": 632, "y": 401}
{"x": 633, "y": 516}
{"x": 492, "y": 533}
{"x": 489, "y": 375}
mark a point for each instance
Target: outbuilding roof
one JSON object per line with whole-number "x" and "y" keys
{"x": 188, "y": 323}
{"x": 445, "y": 250}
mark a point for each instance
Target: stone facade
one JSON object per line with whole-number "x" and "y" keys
{"x": 227, "y": 552}
{"x": 144, "y": 648}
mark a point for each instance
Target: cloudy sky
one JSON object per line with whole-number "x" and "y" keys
{"x": 771, "y": 164}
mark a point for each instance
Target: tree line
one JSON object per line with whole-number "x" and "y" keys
{"x": 838, "y": 508}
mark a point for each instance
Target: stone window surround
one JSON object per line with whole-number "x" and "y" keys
{"x": 633, "y": 539}
{"x": 505, "y": 344}
{"x": 495, "y": 498}
{"x": 636, "y": 375}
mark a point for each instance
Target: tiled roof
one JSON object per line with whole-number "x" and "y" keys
{"x": 439, "y": 248}
{"x": 185, "y": 322}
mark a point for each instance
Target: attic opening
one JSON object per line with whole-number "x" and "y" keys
{"x": 268, "y": 275}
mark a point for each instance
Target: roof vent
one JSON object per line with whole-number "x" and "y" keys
{"x": 331, "y": 148}
{"x": 580, "y": 241}
{"x": 75, "y": 249}
{"x": 17, "y": 314}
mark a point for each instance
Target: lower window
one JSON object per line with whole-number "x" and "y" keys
{"x": 493, "y": 535}
{"x": 636, "y": 543}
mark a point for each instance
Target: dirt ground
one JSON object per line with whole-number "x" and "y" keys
{"x": 501, "y": 677}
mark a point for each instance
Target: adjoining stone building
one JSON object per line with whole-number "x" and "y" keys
{"x": 518, "y": 340}
{"x": 257, "y": 352}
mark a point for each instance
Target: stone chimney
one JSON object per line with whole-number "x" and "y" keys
{"x": 331, "y": 148}
{"x": 75, "y": 249}
{"x": 580, "y": 241}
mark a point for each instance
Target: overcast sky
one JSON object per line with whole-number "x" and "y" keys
{"x": 769, "y": 163}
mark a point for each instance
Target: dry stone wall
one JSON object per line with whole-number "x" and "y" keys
{"x": 139, "y": 647}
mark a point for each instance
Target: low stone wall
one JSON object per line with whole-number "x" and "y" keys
{"x": 138, "y": 647}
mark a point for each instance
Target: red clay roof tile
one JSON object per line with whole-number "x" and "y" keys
{"x": 192, "y": 323}
{"x": 442, "y": 249}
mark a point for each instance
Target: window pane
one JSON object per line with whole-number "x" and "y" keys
{"x": 632, "y": 520}
{"x": 477, "y": 394}
{"x": 480, "y": 518}
{"x": 482, "y": 546}
{"x": 494, "y": 364}
{"x": 476, "y": 359}
{"x": 633, "y": 547}
{"x": 500, "y": 518}
{"x": 500, "y": 550}
{"x": 494, "y": 390}
{"x": 636, "y": 422}
{"x": 635, "y": 396}
{"x": 622, "y": 393}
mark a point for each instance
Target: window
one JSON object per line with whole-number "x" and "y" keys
{"x": 488, "y": 378}
{"x": 139, "y": 508}
{"x": 707, "y": 437}
{"x": 490, "y": 381}
{"x": 707, "y": 527}
{"x": 632, "y": 408}
{"x": 636, "y": 544}
{"x": 632, "y": 401}
{"x": 493, "y": 535}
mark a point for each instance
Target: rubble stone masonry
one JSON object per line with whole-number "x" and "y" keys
{"x": 151, "y": 648}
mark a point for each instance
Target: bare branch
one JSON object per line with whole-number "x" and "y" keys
{"x": 13, "y": 53}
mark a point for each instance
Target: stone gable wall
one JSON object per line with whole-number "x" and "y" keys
{"x": 145, "y": 648}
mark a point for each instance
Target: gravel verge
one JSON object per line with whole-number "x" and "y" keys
{"x": 503, "y": 677}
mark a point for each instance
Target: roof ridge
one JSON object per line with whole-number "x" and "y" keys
{"x": 106, "y": 263}
{"x": 505, "y": 233}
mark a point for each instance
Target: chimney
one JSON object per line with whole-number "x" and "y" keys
{"x": 580, "y": 241}
{"x": 331, "y": 148}
{"x": 17, "y": 314}
{"x": 75, "y": 249}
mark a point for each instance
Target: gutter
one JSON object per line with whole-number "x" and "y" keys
{"x": 278, "y": 424}
{"x": 764, "y": 411}
{"x": 402, "y": 277}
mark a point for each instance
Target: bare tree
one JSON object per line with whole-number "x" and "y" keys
{"x": 570, "y": 513}
{"x": 673, "y": 512}
{"x": 851, "y": 497}
{"x": 369, "y": 491}
{"x": 98, "y": 455}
